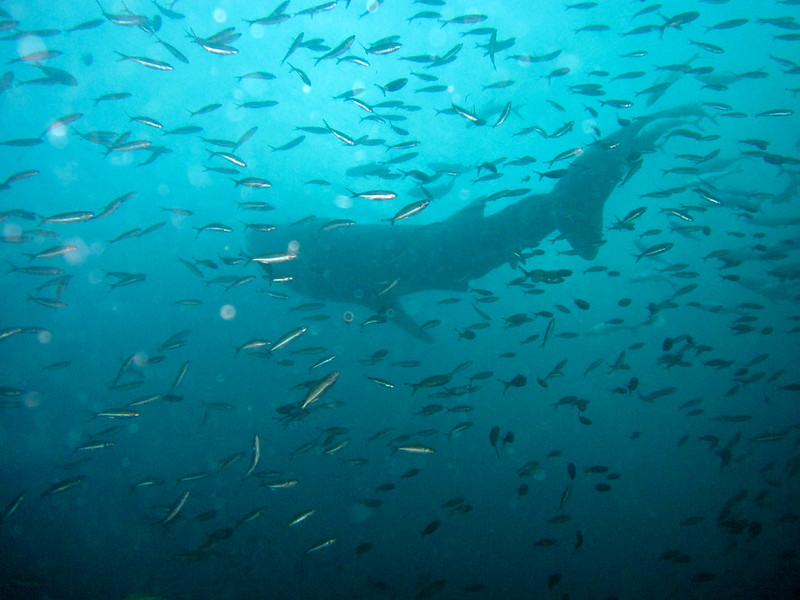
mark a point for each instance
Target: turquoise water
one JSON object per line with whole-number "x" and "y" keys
{"x": 399, "y": 300}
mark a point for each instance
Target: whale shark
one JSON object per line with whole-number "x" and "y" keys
{"x": 376, "y": 264}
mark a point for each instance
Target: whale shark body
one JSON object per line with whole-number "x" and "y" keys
{"x": 374, "y": 265}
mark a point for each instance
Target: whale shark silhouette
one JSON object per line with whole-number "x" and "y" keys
{"x": 374, "y": 265}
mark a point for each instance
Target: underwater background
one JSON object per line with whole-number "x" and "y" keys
{"x": 181, "y": 421}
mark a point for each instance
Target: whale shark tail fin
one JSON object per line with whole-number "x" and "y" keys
{"x": 579, "y": 197}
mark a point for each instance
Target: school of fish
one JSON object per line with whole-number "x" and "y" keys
{"x": 311, "y": 300}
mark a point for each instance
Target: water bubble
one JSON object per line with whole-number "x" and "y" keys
{"x": 343, "y": 201}
{"x": 32, "y": 400}
{"x": 372, "y": 6}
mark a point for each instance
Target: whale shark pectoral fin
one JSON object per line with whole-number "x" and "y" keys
{"x": 402, "y": 319}
{"x": 478, "y": 204}
{"x": 582, "y": 226}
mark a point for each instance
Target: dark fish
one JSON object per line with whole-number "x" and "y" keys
{"x": 494, "y": 435}
{"x": 465, "y": 20}
{"x": 431, "y": 589}
{"x": 174, "y": 51}
{"x": 22, "y": 142}
{"x": 552, "y": 580}
{"x": 432, "y": 381}
{"x": 363, "y": 548}
{"x": 112, "y": 96}
{"x": 432, "y": 526}
{"x": 517, "y": 381}
{"x": 679, "y": 20}
{"x": 338, "y": 51}
{"x": 558, "y": 519}
{"x": 393, "y": 86}
{"x": 597, "y": 469}
{"x": 184, "y": 130}
{"x": 86, "y": 25}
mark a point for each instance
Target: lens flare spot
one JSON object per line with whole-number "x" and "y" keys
{"x": 343, "y": 202}
{"x": 32, "y": 400}
{"x": 227, "y": 312}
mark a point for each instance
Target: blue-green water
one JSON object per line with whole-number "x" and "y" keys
{"x": 608, "y": 404}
